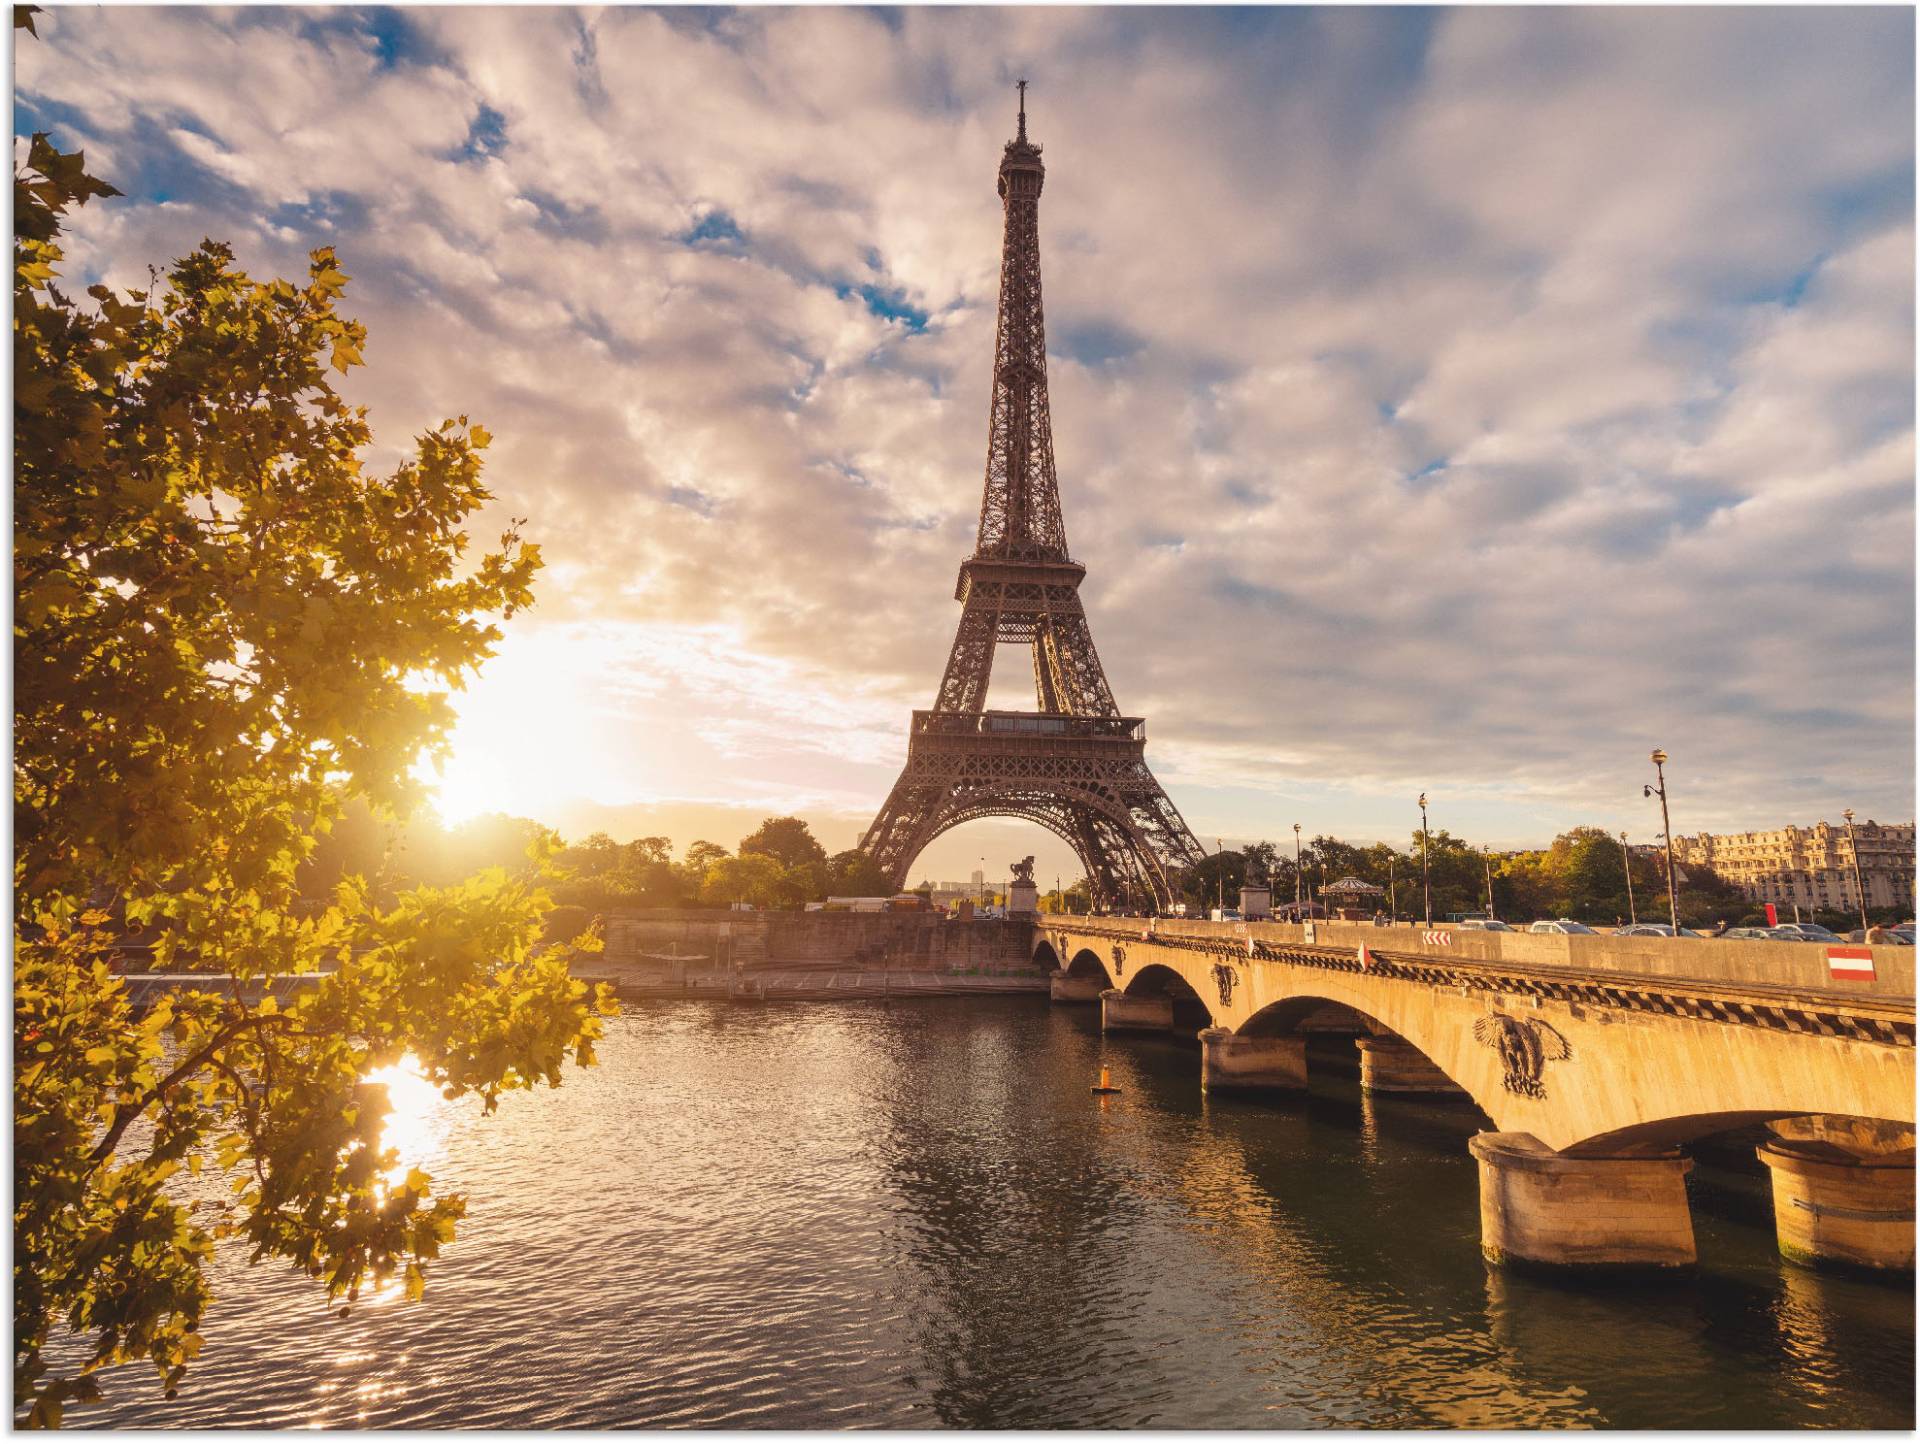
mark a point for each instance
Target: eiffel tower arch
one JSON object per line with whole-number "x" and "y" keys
{"x": 1075, "y": 765}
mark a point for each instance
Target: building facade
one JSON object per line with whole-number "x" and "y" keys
{"x": 1811, "y": 867}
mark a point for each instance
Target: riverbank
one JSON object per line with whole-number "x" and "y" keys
{"x": 810, "y": 984}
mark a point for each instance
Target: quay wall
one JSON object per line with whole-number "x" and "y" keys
{"x": 922, "y": 942}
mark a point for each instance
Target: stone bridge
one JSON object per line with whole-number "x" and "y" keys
{"x": 1597, "y": 1061}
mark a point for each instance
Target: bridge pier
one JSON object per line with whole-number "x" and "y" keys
{"x": 1393, "y": 1065}
{"x": 1542, "y": 1207}
{"x": 1135, "y": 1013}
{"x": 1232, "y": 1061}
{"x": 1066, "y": 987}
{"x": 1842, "y": 1191}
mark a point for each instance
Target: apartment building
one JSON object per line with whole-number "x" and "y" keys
{"x": 1811, "y": 867}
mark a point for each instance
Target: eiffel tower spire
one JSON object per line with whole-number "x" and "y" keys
{"x": 1075, "y": 766}
{"x": 1020, "y": 516}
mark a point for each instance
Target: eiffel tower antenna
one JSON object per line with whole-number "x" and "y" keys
{"x": 1075, "y": 765}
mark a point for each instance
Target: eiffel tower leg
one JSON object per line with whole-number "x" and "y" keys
{"x": 970, "y": 664}
{"x": 892, "y": 840}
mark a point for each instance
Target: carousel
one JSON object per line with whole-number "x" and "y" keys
{"x": 1351, "y": 900}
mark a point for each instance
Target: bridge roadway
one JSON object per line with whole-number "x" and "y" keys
{"x": 1597, "y": 1061}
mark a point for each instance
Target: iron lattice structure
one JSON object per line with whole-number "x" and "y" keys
{"x": 1075, "y": 766}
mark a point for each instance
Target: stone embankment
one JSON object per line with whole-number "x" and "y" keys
{"x": 800, "y": 956}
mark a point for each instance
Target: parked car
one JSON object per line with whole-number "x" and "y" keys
{"x": 1803, "y": 933}
{"x": 1653, "y": 930}
{"x": 1758, "y": 935}
{"x": 1881, "y": 937}
{"x": 1562, "y": 925}
{"x": 1482, "y": 925}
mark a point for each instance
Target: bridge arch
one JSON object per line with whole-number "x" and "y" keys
{"x": 1190, "y": 1008}
{"x": 1044, "y": 956}
{"x": 1676, "y": 1132}
{"x": 1385, "y": 1026}
{"x": 1086, "y": 963}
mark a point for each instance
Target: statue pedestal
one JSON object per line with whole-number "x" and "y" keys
{"x": 1256, "y": 902}
{"x": 1023, "y": 899}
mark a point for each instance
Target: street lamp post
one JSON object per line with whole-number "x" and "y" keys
{"x": 1296, "y": 872}
{"x": 1486, "y": 857}
{"x": 1859, "y": 887}
{"x": 1426, "y": 878}
{"x": 980, "y": 891}
{"x": 1659, "y": 790}
{"x": 1626, "y": 866}
{"x": 1392, "y": 911}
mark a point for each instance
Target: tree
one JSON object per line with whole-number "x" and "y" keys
{"x": 1261, "y": 859}
{"x": 1076, "y": 897}
{"x": 703, "y": 855}
{"x": 752, "y": 878}
{"x": 600, "y": 874}
{"x": 1215, "y": 877}
{"x": 854, "y": 874}
{"x": 222, "y": 629}
{"x": 787, "y": 840}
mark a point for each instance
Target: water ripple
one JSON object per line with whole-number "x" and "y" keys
{"x": 915, "y": 1215}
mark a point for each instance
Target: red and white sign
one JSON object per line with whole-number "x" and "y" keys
{"x": 1437, "y": 938}
{"x": 1366, "y": 957}
{"x": 1773, "y": 916}
{"x": 1854, "y": 964}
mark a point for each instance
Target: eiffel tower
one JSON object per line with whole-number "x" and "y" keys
{"x": 1075, "y": 766}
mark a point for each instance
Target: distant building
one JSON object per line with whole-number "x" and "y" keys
{"x": 1811, "y": 867}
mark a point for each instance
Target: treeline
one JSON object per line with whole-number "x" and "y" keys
{"x": 1583, "y": 876}
{"x": 779, "y": 864}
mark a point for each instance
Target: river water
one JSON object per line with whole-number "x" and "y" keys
{"x": 915, "y": 1215}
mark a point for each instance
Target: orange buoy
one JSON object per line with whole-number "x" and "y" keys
{"x": 1104, "y": 1085}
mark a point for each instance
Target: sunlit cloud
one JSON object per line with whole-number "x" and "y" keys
{"x": 1449, "y": 400}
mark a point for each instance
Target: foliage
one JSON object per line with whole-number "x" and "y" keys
{"x": 702, "y": 855}
{"x": 1076, "y": 897}
{"x": 225, "y": 627}
{"x": 854, "y": 874}
{"x": 1218, "y": 876}
{"x": 751, "y": 878}
{"x": 787, "y": 840}
{"x": 600, "y": 874}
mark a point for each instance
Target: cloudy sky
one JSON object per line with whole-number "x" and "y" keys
{"x": 1465, "y": 401}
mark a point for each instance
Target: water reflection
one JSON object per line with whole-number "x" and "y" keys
{"x": 414, "y": 1110}
{"x": 917, "y": 1214}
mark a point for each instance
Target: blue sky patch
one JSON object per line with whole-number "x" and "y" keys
{"x": 888, "y": 305}
{"x": 715, "y": 228}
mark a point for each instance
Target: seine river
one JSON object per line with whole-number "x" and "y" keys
{"x": 915, "y": 1215}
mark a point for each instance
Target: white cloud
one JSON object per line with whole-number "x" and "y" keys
{"x": 1447, "y": 399}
